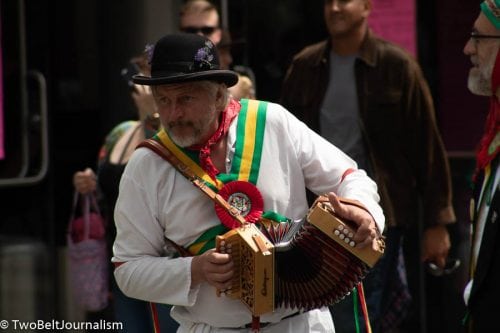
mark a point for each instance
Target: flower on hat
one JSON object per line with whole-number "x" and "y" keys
{"x": 149, "y": 50}
{"x": 203, "y": 57}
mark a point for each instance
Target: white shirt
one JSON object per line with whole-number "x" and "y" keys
{"x": 156, "y": 201}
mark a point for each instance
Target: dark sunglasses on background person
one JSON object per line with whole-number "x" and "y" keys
{"x": 204, "y": 30}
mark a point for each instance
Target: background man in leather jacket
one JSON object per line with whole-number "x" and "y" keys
{"x": 369, "y": 97}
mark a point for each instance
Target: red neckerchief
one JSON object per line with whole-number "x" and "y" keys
{"x": 227, "y": 117}
{"x": 484, "y": 157}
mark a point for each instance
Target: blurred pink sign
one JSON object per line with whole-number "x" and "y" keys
{"x": 2, "y": 152}
{"x": 395, "y": 21}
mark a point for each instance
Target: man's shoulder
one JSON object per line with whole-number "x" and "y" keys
{"x": 311, "y": 53}
{"x": 275, "y": 113}
{"x": 146, "y": 161}
{"x": 272, "y": 108}
{"x": 387, "y": 51}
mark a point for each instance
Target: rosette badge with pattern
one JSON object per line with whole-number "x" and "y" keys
{"x": 245, "y": 198}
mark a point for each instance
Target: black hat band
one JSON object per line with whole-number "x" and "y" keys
{"x": 184, "y": 67}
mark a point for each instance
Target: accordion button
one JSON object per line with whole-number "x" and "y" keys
{"x": 346, "y": 231}
{"x": 342, "y": 236}
{"x": 352, "y": 244}
{"x": 347, "y": 240}
{"x": 340, "y": 227}
{"x": 351, "y": 235}
{"x": 336, "y": 232}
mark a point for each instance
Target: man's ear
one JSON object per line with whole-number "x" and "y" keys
{"x": 220, "y": 99}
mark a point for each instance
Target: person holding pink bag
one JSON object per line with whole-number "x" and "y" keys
{"x": 113, "y": 156}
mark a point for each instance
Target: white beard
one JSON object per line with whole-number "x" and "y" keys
{"x": 477, "y": 84}
{"x": 479, "y": 81}
{"x": 185, "y": 141}
{"x": 199, "y": 130}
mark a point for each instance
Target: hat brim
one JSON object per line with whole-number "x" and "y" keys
{"x": 227, "y": 77}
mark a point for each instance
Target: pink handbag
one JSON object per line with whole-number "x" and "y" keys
{"x": 88, "y": 257}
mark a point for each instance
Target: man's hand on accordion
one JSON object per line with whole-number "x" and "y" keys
{"x": 212, "y": 267}
{"x": 367, "y": 228}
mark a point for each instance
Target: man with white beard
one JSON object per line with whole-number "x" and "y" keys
{"x": 483, "y": 290}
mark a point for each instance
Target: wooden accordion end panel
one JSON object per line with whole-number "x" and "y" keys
{"x": 323, "y": 217}
{"x": 253, "y": 257}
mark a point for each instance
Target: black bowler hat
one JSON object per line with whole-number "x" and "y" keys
{"x": 185, "y": 57}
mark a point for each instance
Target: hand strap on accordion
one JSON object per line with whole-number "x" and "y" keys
{"x": 352, "y": 202}
{"x": 324, "y": 198}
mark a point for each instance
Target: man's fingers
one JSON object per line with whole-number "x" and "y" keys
{"x": 349, "y": 212}
{"x": 219, "y": 269}
{"x": 367, "y": 242}
{"x": 364, "y": 236}
{"x": 222, "y": 278}
{"x": 335, "y": 202}
{"x": 219, "y": 258}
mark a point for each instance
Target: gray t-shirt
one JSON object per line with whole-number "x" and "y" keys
{"x": 339, "y": 115}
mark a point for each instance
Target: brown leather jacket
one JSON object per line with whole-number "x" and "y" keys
{"x": 397, "y": 121}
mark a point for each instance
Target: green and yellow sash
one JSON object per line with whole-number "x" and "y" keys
{"x": 246, "y": 161}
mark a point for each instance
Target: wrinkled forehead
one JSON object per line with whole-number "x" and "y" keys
{"x": 194, "y": 88}
{"x": 175, "y": 88}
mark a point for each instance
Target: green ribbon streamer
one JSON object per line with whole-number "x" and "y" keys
{"x": 270, "y": 215}
{"x": 355, "y": 304}
{"x": 465, "y": 319}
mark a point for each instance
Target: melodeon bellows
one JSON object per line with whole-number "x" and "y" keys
{"x": 304, "y": 265}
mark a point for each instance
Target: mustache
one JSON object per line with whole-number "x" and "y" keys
{"x": 180, "y": 123}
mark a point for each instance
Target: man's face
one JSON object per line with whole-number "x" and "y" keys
{"x": 482, "y": 53}
{"x": 204, "y": 24}
{"x": 343, "y": 17}
{"x": 188, "y": 112}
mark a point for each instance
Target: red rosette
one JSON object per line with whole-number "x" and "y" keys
{"x": 243, "y": 196}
